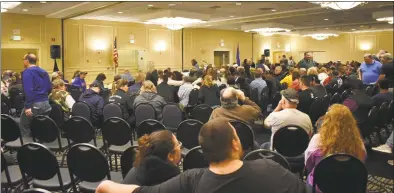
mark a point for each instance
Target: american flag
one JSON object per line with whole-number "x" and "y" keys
{"x": 115, "y": 56}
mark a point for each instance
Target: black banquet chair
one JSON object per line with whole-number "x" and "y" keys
{"x": 11, "y": 134}
{"x": 254, "y": 95}
{"x": 83, "y": 110}
{"x": 127, "y": 159}
{"x": 245, "y": 134}
{"x": 45, "y": 130}
{"x": 11, "y": 176}
{"x": 268, "y": 154}
{"x": 202, "y": 112}
{"x": 187, "y": 133}
{"x": 340, "y": 173}
{"x": 57, "y": 115}
{"x": 172, "y": 116}
{"x": 149, "y": 126}
{"x": 37, "y": 161}
{"x": 335, "y": 98}
{"x": 36, "y": 190}
{"x": 144, "y": 112}
{"x": 194, "y": 159}
{"x": 89, "y": 165}
{"x": 112, "y": 110}
{"x": 79, "y": 130}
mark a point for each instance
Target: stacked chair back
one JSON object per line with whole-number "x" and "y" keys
{"x": 188, "y": 132}
{"x": 245, "y": 134}
{"x": 194, "y": 159}
{"x": 254, "y": 95}
{"x": 75, "y": 92}
{"x": 290, "y": 141}
{"x": 316, "y": 110}
{"x": 79, "y": 130}
{"x": 369, "y": 126}
{"x": 143, "y": 112}
{"x": 37, "y": 161}
{"x": 10, "y": 129}
{"x": 268, "y": 154}
{"x": 172, "y": 116}
{"x": 149, "y": 126}
{"x": 116, "y": 131}
{"x": 112, "y": 110}
{"x": 336, "y": 98}
{"x": 340, "y": 173}
{"x": 87, "y": 163}
{"x": 36, "y": 190}
{"x": 127, "y": 159}
{"x": 202, "y": 112}
{"x": 264, "y": 99}
{"x": 45, "y": 130}
{"x": 83, "y": 110}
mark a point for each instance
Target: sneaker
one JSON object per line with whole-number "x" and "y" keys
{"x": 383, "y": 148}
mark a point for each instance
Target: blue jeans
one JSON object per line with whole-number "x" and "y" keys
{"x": 39, "y": 108}
{"x": 389, "y": 141}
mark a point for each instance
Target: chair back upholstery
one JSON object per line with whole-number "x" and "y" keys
{"x": 336, "y": 98}
{"x": 369, "y": 126}
{"x": 268, "y": 154}
{"x": 127, "y": 159}
{"x": 202, "y": 112}
{"x": 112, "y": 110}
{"x": 188, "y": 132}
{"x": 87, "y": 163}
{"x": 369, "y": 90}
{"x": 290, "y": 141}
{"x": 79, "y": 130}
{"x": 193, "y": 97}
{"x": 36, "y": 190}
{"x": 75, "y": 92}
{"x": 275, "y": 101}
{"x": 264, "y": 99}
{"x": 391, "y": 108}
{"x": 17, "y": 98}
{"x": 194, "y": 159}
{"x": 116, "y": 131}
{"x": 44, "y": 129}
{"x": 317, "y": 109}
{"x": 172, "y": 115}
{"x": 254, "y": 95}
{"x": 144, "y": 112}
{"x": 10, "y": 130}
{"x": 345, "y": 94}
{"x": 38, "y": 162}
{"x": 82, "y": 109}
{"x": 384, "y": 117}
{"x": 340, "y": 173}
{"x": 223, "y": 86}
{"x": 57, "y": 115}
{"x": 5, "y": 105}
{"x": 245, "y": 134}
{"x": 105, "y": 94}
{"x": 149, "y": 126}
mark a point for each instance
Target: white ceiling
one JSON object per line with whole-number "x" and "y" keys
{"x": 223, "y": 15}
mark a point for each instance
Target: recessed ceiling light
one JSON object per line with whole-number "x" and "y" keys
{"x": 327, "y": 28}
{"x": 43, "y": 2}
{"x": 120, "y": 12}
{"x": 353, "y": 29}
{"x": 326, "y": 19}
{"x": 231, "y": 16}
{"x": 208, "y": 25}
{"x": 25, "y": 10}
{"x": 273, "y": 9}
{"x": 238, "y": 3}
{"x": 235, "y": 28}
{"x": 361, "y": 25}
{"x": 150, "y": 5}
{"x": 171, "y": 5}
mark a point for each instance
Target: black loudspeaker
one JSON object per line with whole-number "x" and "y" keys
{"x": 55, "y": 51}
{"x": 266, "y": 52}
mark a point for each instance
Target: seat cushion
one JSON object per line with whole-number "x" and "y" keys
{"x": 90, "y": 187}
{"x": 15, "y": 176}
{"x": 54, "y": 145}
{"x": 53, "y": 183}
{"x": 119, "y": 149}
{"x": 17, "y": 143}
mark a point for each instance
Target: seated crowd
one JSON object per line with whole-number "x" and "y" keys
{"x": 235, "y": 93}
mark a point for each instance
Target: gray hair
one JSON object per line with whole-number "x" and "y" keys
{"x": 368, "y": 55}
{"x": 230, "y": 101}
{"x": 387, "y": 56}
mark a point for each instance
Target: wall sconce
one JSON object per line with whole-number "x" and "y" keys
{"x": 132, "y": 41}
{"x": 99, "y": 46}
{"x": 365, "y": 46}
{"x": 222, "y": 42}
{"x": 160, "y": 46}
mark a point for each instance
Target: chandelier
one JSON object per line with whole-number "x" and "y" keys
{"x": 269, "y": 31}
{"x": 342, "y": 5}
{"x": 388, "y": 19}
{"x": 174, "y": 23}
{"x": 8, "y": 5}
{"x": 321, "y": 36}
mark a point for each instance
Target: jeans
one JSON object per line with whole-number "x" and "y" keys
{"x": 389, "y": 141}
{"x": 39, "y": 108}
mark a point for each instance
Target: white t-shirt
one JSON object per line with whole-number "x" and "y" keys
{"x": 277, "y": 120}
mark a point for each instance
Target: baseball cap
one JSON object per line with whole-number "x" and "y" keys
{"x": 83, "y": 73}
{"x": 290, "y": 94}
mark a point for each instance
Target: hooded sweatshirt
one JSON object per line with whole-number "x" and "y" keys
{"x": 36, "y": 85}
{"x": 96, "y": 104}
{"x": 153, "y": 99}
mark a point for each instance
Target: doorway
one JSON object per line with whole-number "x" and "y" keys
{"x": 221, "y": 58}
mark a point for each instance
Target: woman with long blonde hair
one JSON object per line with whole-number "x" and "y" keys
{"x": 338, "y": 134}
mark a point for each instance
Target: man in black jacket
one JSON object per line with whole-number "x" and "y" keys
{"x": 95, "y": 102}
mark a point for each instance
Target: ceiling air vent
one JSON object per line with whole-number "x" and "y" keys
{"x": 215, "y": 7}
{"x": 153, "y": 8}
{"x": 265, "y": 9}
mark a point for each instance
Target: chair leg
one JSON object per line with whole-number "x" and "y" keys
{"x": 110, "y": 161}
{"x": 116, "y": 162}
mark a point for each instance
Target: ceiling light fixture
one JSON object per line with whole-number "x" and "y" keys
{"x": 267, "y": 29}
{"x": 5, "y": 6}
{"x": 174, "y": 19}
{"x": 321, "y": 36}
{"x": 273, "y": 9}
{"x": 171, "y": 5}
{"x": 231, "y": 16}
{"x": 120, "y": 12}
{"x": 353, "y": 29}
{"x": 388, "y": 19}
{"x": 326, "y": 19}
{"x": 25, "y": 10}
{"x": 150, "y": 5}
{"x": 339, "y": 5}
{"x": 238, "y": 3}
{"x": 386, "y": 16}
{"x": 174, "y": 23}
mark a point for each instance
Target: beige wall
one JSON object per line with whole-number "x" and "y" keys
{"x": 36, "y": 32}
{"x": 345, "y": 47}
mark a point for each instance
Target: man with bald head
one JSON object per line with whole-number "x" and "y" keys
{"x": 307, "y": 62}
{"x": 231, "y": 110}
{"x": 37, "y": 86}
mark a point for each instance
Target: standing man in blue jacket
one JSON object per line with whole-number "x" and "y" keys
{"x": 37, "y": 86}
{"x": 80, "y": 81}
